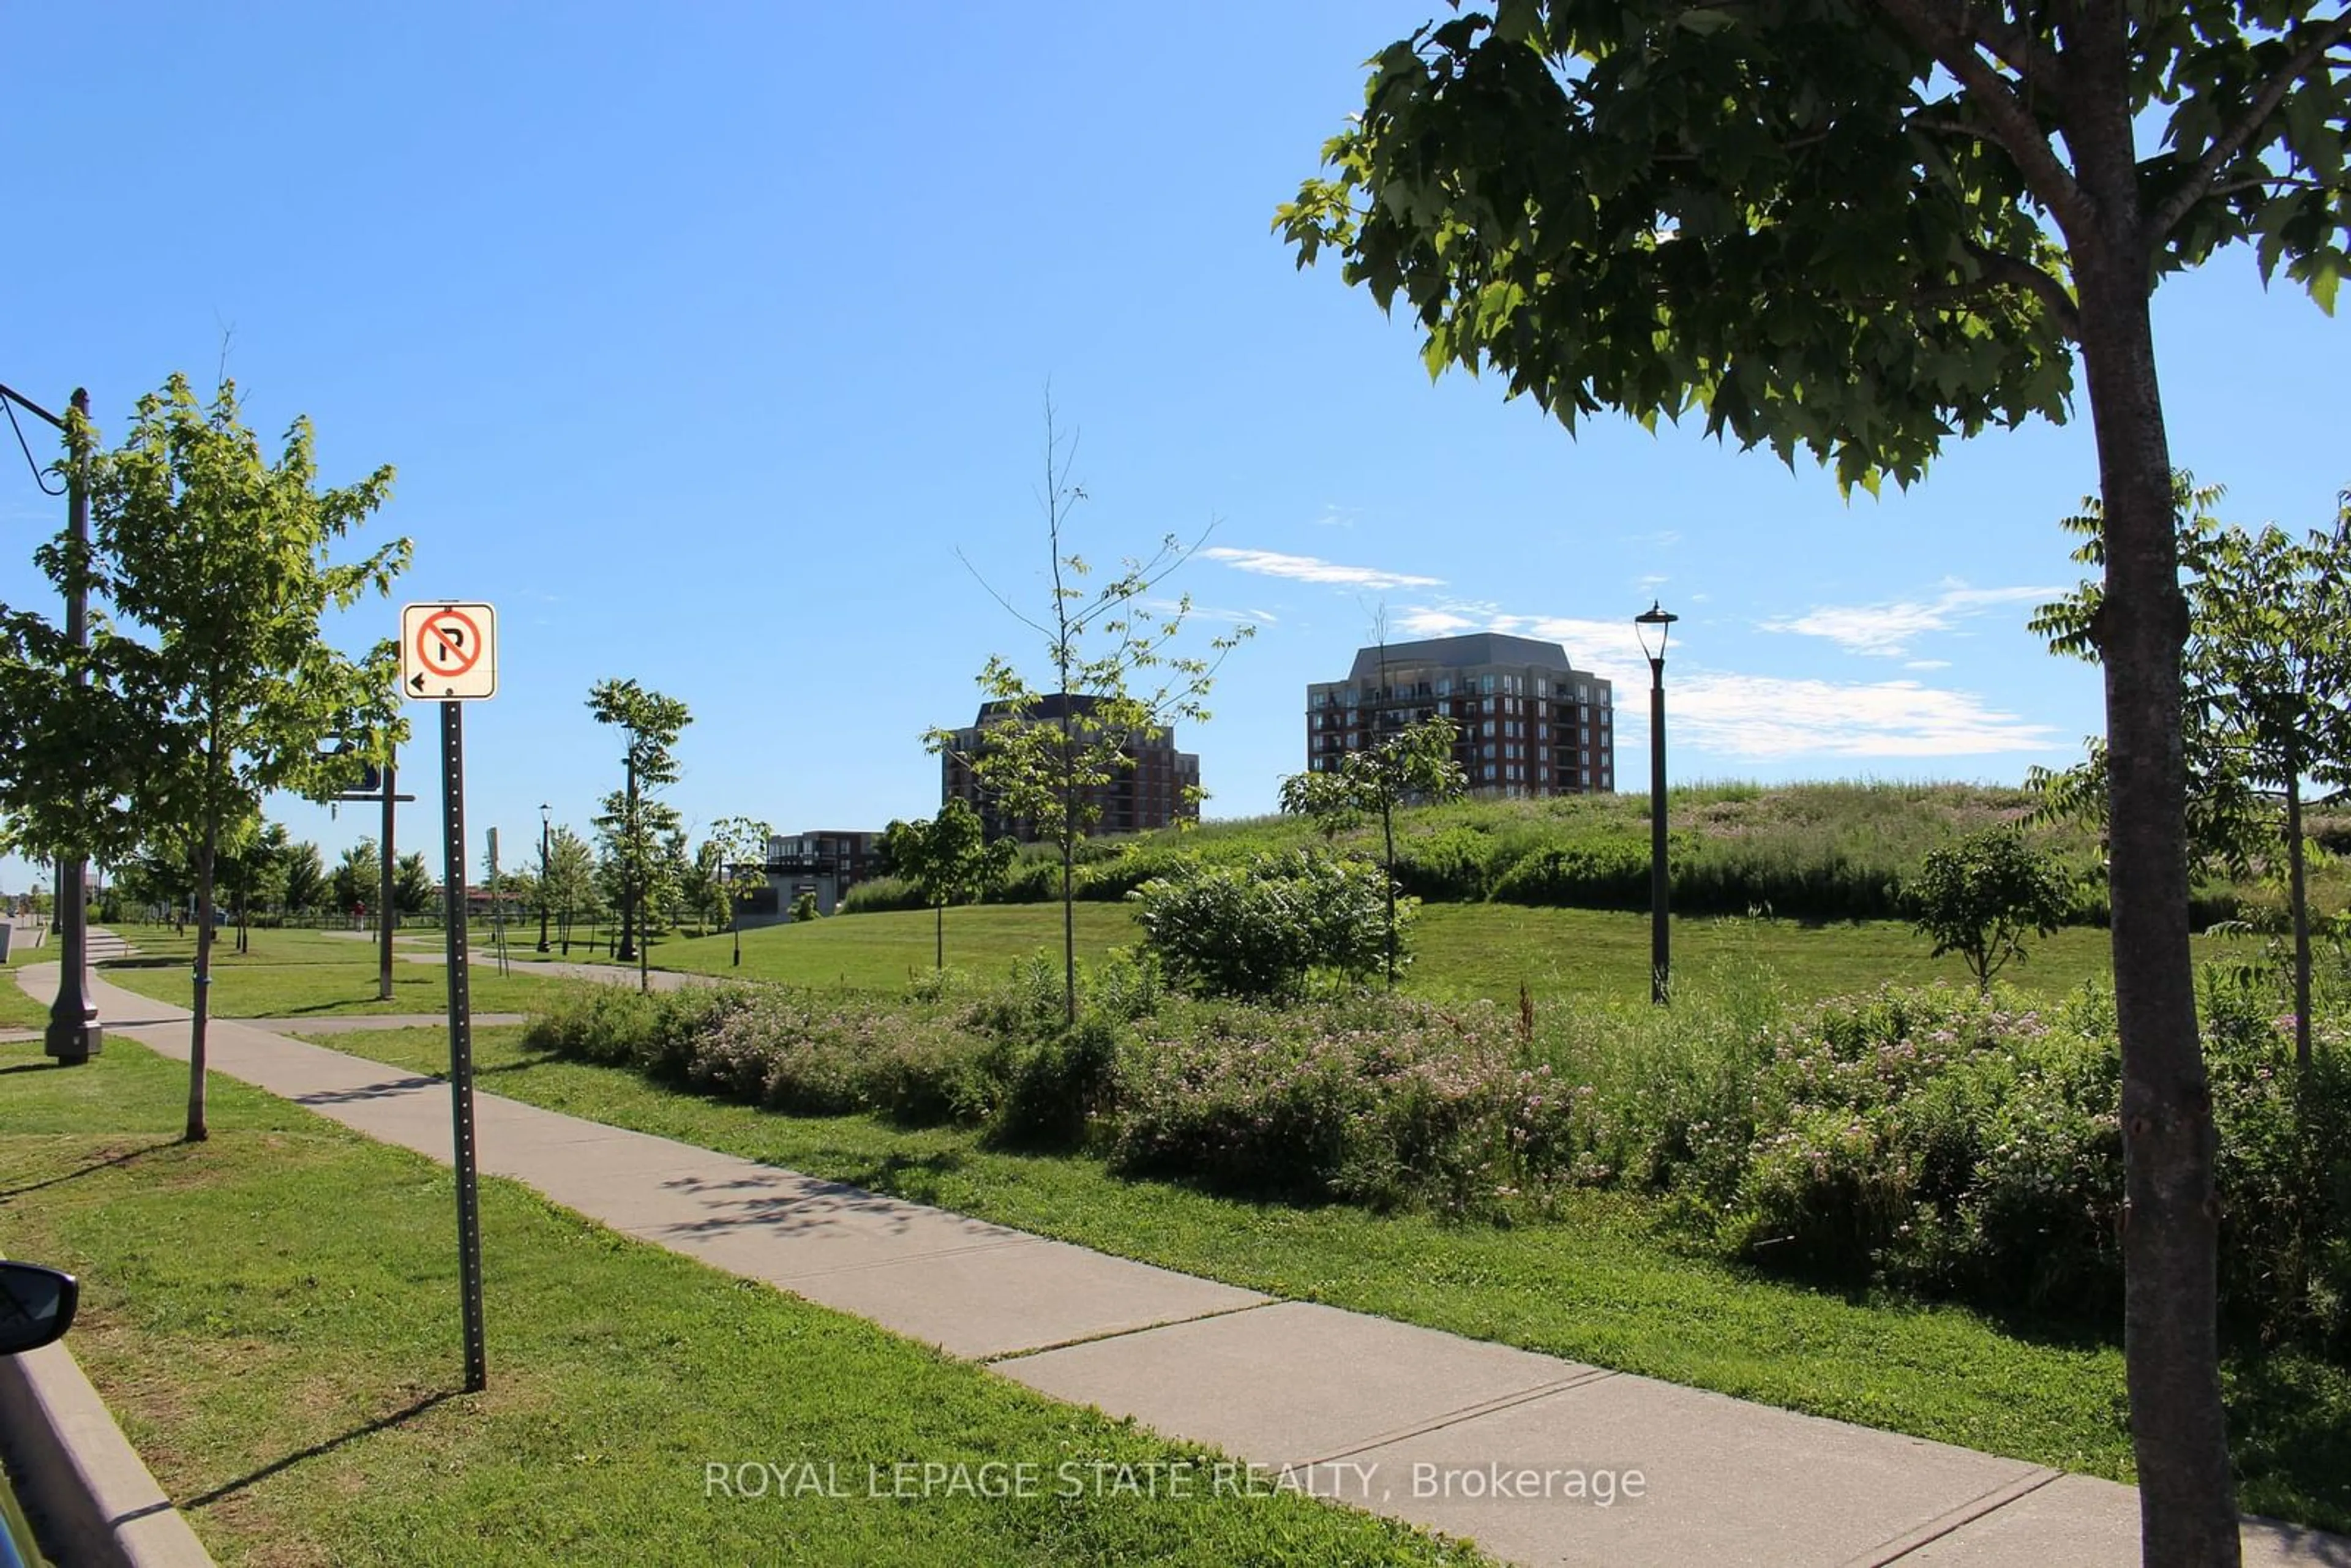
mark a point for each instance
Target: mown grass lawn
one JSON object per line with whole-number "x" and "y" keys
{"x": 296, "y": 974}
{"x": 272, "y": 1316}
{"x": 1599, "y": 1283}
{"x": 18, "y": 1010}
{"x": 1464, "y": 949}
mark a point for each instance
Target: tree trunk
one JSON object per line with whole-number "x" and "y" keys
{"x": 2298, "y": 899}
{"x": 630, "y": 895}
{"x": 197, "y": 1131}
{"x": 2170, "y": 1212}
{"x": 1069, "y": 861}
{"x": 1387, "y": 832}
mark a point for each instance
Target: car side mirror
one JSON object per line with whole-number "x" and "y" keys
{"x": 36, "y": 1306}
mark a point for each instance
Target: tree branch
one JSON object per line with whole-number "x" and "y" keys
{"x": 1943, "y": 29}
{"x": 2038, "y": 66}
{"x": 2233, "y": 140}
{"x": 1999, "y": 267}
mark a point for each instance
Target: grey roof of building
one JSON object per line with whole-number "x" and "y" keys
{"x": 1463, "y": 653}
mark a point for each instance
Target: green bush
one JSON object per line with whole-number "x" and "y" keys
{"x": 1028, "y": 882}
{"x": 1984, "y": 895}
{"x": 1057, "y": 1088}
{"x": 880, "y": 894}
{"x": 1372, "y": 1102}
{"x": 1263, "y": 929}
{"x": 1589, "y": 872}
{"x": 1454, "y": 865}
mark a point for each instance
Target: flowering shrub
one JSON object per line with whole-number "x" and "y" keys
{"x": 1370, "y": 1102}
{"x": 1948, "y": 1143}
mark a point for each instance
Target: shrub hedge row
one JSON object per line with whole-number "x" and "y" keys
{"x": 1949, "y": 1144}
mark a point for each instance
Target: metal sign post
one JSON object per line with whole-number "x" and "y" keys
{"x": 460, "y": 1040}
{"x": 448, "y": 653}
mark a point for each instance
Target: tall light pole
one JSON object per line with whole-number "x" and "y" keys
{"x": 73, "y": 1035}
{"x": 546, "y": 826}
{"x": 1658, "y": 623}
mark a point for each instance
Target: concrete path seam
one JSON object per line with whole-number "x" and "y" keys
{"x": 1966, "y": 1513}
{"x": 1472, "y": 1412}
{"x": 1027, "y": 1351}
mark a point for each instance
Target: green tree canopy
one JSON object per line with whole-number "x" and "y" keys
{"x": 224, "y": 565}
{"x": 635, "y": 823}
{"x": 734, "y": 859}
{"x": 949, "y": 860}
{"x": 2267, "y": 702}
{"x": 1984, "y": 895}
{"x": 1414, "y": 763}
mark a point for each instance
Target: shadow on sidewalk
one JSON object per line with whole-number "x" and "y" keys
{"x": 365, "y": 1429}
{"x": 389, "y": 1089}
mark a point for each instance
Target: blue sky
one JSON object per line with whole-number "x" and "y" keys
{"x": 703, "y": 337}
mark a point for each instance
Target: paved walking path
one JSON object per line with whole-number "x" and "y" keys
{"x": 614, "y": 974}
{"x": 355, "y": 1023}
{"x": 1403, "y": 1420}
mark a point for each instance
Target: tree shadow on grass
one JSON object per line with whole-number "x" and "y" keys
{"x": 124, "y": 1158}
{"x": 2288, "y": 1432}
{"x": 329, "y": 1006}
{"x": 914, "y": 1177}
{"x": 365, "y": 1429}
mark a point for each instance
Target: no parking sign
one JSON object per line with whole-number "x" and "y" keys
{"x": 448, "y": 653}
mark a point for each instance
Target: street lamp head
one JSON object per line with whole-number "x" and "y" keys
{"x": 1663, "y": 621}
{"x": 543, "y": 814}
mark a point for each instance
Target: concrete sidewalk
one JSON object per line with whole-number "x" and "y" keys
{"x": 1510, "y": 1448}
{"x": 613, "y": 974}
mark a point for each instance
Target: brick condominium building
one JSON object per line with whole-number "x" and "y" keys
{"x": 1151, "y": 793}
{"x": 1529, "y": 723}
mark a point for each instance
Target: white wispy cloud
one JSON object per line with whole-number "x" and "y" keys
{"x": 1314, "y": 568}
{"x": 1887, "y": 630}
{"x": 1606, "y": 648}
{"x": 1768, "y": 716}
{"x": 1754, "y": 716}
{"x": 1165, "y": 607}
{"x": 1926, "y": 664}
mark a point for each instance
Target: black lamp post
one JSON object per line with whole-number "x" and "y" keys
{"x": 73, "y": 1034}
{"x": 545, "y": 828}
{"x": 1660, "y": 959}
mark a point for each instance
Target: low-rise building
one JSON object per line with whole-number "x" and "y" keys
{"x": 826, "y": 862}
{"x": 1528, "y": 723}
